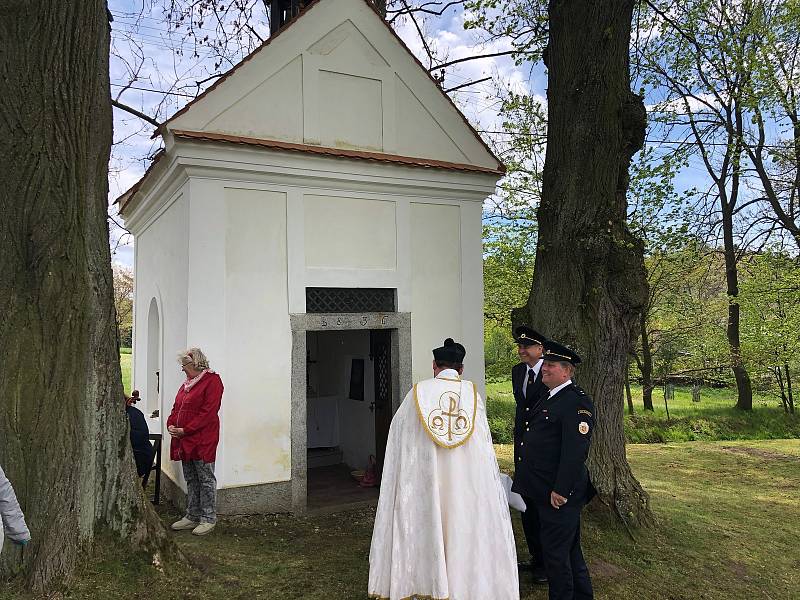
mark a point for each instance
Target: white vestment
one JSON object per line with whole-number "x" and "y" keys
{"x": 442, "y": 529}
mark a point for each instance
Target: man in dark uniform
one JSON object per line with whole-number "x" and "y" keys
{"x": 551, "y": 473}
{"x": 526, "y": 381}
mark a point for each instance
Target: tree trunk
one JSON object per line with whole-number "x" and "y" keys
{"x": 646, "y": 364}
{"x": 64, "y": 444}
{"x": 790, "y": 395}
{"x": 589, "y": 284}
{"x": 744, "y": 388}
{"x": 779, "y": 378}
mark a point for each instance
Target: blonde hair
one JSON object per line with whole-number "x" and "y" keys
{"x": 194, "y": 357}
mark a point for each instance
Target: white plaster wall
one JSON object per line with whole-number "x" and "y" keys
{"x": 270, "y": 110}
{"x": 161, "y": 266}
{"x": 257, "y": 402}
{"x": 350, "y": 233}
{"x": 436, "y": 290}
{"x": 472, "y": 293}
{"x": 205, "y": 316}
{"x": 417, "y": 127}
{"x": 355, "y": 118}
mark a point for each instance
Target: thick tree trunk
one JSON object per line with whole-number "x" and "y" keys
{"x": 64, "y": 441}
{"x": 646, "y": 364}
{"x": 589, "y": 284}
{"x": 790, "y": 394}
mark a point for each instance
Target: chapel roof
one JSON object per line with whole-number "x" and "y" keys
{"x": 128, "y": 195}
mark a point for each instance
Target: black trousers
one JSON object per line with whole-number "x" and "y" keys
{"x": 567, "y": 573}
{"x": 530, "y": 525}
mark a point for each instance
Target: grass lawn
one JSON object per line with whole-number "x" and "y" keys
{"x": 125, "y": 363}
{"x": 729, "y": 521}
{"x": 713, "y": 418}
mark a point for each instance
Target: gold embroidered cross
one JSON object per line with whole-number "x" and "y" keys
{"x": 457, "y": 421}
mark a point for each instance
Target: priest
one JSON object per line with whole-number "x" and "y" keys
{"x": 442, "y": 529}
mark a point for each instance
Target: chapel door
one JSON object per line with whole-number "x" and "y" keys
{"x": 381, "y": 355}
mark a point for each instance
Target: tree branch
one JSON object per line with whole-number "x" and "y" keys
{"x": 466, "y": 58}
{"x": 463, "y": 85}
{"x": 133, "y": 111}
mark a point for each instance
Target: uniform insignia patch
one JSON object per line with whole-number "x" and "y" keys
{"x": 583, "y": 411}
{"x": 583, "y": 428}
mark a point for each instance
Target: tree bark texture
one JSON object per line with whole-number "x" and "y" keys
{"x": 64, "y": 442}
{"x": 589, "y": 284}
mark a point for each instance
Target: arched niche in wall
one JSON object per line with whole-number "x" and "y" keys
{"x": 153, "y": 390}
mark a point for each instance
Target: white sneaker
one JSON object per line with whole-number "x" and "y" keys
{"x": 183, "y": 524}
{"x": 203, "y": 528}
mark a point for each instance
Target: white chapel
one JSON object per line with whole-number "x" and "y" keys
{"x": 313, "y": 223}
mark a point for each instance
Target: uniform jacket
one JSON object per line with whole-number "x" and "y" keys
{"x": 13, "y": 522}
{"x": 551, "y": 456}
{"x": 196, "y": 411}
{"x": 524, "y": 405}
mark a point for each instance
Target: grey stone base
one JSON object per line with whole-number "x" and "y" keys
{"x": 255, "y": 499}
{"x": 245, "y": 500}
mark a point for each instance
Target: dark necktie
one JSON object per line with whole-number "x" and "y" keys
{"x": 531, "y": 379}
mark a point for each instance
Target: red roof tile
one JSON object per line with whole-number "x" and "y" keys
{"x": 335, "y": 152}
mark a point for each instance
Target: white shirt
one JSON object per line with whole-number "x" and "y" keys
{"x": 449, "y": 374}
{"x": 536, "y": 368}
{"x": 558, "y": 388}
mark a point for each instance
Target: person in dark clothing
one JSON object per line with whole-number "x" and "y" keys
{"x": 526, "y": 382}
{"x": 143, "y": 451}
{"x": 551, "y": 473}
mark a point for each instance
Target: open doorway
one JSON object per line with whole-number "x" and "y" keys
{"x": 348, "y": 412}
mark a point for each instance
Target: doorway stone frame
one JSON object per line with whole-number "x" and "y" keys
{"x": 400, "y": 326}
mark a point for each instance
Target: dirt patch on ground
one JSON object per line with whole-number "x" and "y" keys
{"x": 739, "y": 569}
{"x": 601, "y": 569}
{"x": 758, "y": 453}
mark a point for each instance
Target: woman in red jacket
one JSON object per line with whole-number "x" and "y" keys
{"x": 194, "y": 427}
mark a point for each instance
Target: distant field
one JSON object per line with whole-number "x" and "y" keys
{"x": 713, "y": 418}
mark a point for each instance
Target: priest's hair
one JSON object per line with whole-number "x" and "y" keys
{"x": 446, "y": 364}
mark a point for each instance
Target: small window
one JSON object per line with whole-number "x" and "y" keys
{"x": 350, "y": 300}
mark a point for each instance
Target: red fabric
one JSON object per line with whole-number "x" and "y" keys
{"x": 196, "y": 411}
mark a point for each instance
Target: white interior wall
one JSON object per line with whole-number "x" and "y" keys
{"x": 332, "y": 352}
